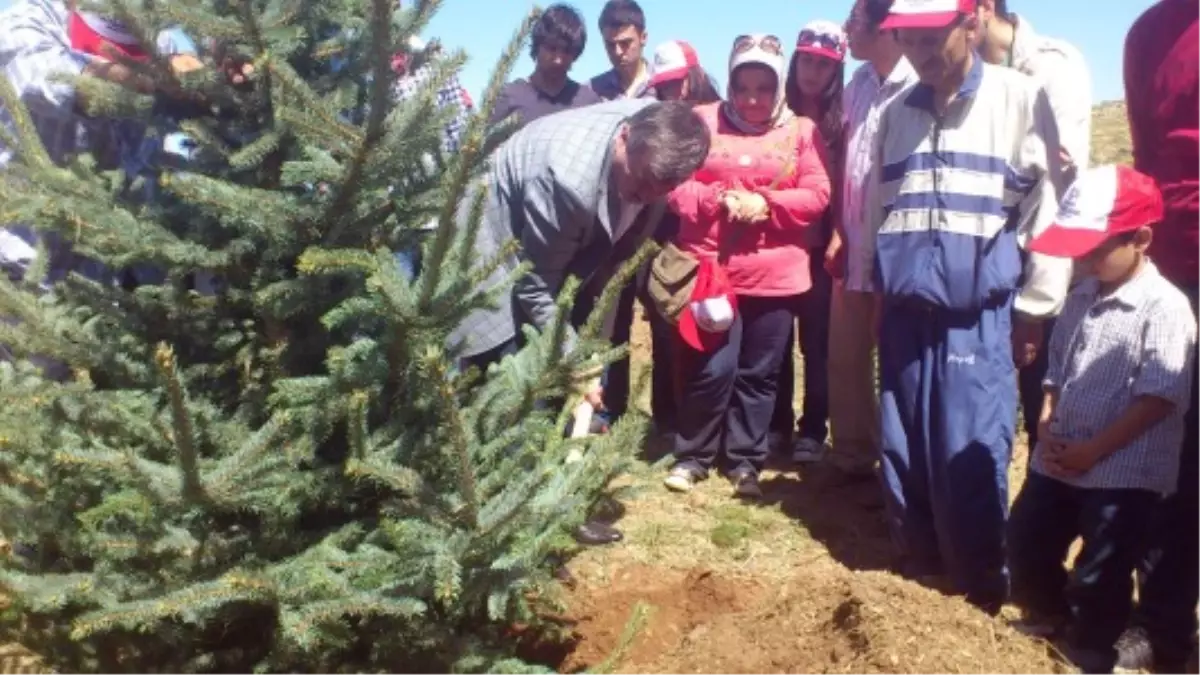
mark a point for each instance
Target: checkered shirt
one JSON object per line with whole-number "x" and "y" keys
{"x": 1108, "y": 351}
{"x": 863, "y": 102}
{"x": 34, "y": 46}
{"x": 450, "y": 95}
{"x": 548, "y": 189}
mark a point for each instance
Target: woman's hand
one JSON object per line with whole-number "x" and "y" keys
{"x": 835, "y": 257}
{"x": 746, "y": 207}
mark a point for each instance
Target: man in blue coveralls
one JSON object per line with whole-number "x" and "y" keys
{"x": 962, "y": 179}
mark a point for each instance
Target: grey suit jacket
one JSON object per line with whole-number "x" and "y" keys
{"x": 549, "y": 188}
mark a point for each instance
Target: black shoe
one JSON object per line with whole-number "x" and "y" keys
{"x": 745, "y": 484}
{"x": 595, "y": 533}
{"x": 564, "y": 576}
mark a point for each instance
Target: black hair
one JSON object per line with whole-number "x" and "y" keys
{"x": 701, "y": 88}
{"x": 1002, "y": 10}
{"x": 618, "y": 14}
{"x": 559, "y": 23}
{"x": 830, "y": 105}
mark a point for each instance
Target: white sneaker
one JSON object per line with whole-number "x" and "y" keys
{"x": 808, "y": 451}
{"x": 681, "y": 479}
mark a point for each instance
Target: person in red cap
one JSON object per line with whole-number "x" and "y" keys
{"x": 42, "y": 44}
{"x": 1118, "y": 383}
{"x": 813, "y": 90}
{"x": 1162, "y": 94}
{"x": 678, "y": 76}
{"x": 967, "y": 169}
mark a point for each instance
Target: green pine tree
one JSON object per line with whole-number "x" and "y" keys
{"x": 288, "y": 473}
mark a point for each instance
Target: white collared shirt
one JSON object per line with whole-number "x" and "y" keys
{"x": 862, "y": 101}
{"x": 1060, "y": 69}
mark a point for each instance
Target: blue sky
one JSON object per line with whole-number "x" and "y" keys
{"x": 483, "y": 27}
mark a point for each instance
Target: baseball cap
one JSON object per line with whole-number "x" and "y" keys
{"x": 1104, "y": 201}
{"x": 926, "y": 13}
{"x": 91, "y": 33}
{"x": 672, "y": 60}
{"x": 706, "y": 318}
{"x": 823, "y": 38}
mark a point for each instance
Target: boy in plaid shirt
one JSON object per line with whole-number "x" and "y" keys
{"x": 1117, "y": 387}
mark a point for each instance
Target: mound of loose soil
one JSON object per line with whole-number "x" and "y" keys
{"x": 830, "y": 620}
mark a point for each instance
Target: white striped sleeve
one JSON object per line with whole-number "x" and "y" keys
{"x": 1047, "y": 279}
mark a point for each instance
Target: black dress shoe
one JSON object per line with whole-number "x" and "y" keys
{"x": 564, "y": 576}
{"x": 595, "y": 533}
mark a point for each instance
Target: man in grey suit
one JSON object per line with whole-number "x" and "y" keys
{"x": 580, "y": 190}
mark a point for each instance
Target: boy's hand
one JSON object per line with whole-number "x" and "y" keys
{"x": 1027, "y": 337}
{"x": 835, "y": 258}
{"x": 1071, "y": 459}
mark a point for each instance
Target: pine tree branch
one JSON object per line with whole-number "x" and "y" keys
{"x": 469, "y": 156}
{"x": 28, "y": 145}
{"x": 188, "y": 602}
{"x": 382, "y": 79}
{"x": 445, "y": 402}
{"x": 184, "y": 438}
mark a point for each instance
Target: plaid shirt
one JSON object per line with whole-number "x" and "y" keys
{"x": 34, "y": 47}
{"x": 450, "y": 95}
{"x": 863, "y": 102}
{"x": 1108, "y": 351}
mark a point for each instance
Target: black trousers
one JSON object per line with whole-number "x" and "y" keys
{"x": 812, "y": 312}
{"x": 1098, "y": 593}
{"x": 1169, "y": 588}
{"x": 1029, "y": 383}
{"x": 728, "y": 395}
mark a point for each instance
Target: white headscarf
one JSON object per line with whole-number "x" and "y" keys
{"x": 755, "y": 53}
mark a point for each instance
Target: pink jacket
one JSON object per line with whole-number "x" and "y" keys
{"x": 768, "y": 259}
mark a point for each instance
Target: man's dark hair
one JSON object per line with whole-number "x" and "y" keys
{"x": 876, "y": 11}
{"x": 1002, "y": 10}
{"x": 561, "y": 24}
{"x": 618, "y": 14}
{"x": 671, "y": 137}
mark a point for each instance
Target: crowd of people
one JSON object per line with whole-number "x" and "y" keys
{"x": 937, "y": 211}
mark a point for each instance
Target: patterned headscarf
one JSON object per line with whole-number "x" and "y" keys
{"x": 766, "y": 50}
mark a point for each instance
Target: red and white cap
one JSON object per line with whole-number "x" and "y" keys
{"x": 705, "y": 320}
{"x": 823, "y": 38}
{"x": 926, "y": 13}
{"x": 94, "y": 34}
{"x": 672, "y": 60}
{"x": 1104, "y": 201}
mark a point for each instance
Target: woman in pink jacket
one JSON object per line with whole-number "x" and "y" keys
{"x": 751, "y": 208}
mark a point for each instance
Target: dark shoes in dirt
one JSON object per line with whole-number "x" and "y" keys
{"x": 596, "y": 533}
{"x": 745, "y": 484}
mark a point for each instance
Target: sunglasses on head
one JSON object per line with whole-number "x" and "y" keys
{"x": 823, "y": 40}
{"x": 768, "y": 43}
